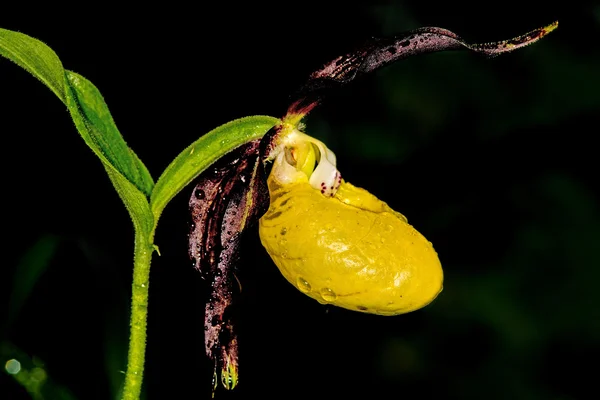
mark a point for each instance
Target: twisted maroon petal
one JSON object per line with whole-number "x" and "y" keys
{"x": 380, "y": 52}
{"x": 227, "y": 198}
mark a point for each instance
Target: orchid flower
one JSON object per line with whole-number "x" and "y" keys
{"x": 333, "y": 241}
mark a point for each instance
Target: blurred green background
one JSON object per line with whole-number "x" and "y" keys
{"x": 493, "y": 160}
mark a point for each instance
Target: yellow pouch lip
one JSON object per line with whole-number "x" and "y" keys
{"x": 331, "y": 249}
{"x": 338, "y": 243}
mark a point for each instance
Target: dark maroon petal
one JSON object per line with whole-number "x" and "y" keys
{"x": 383, "y": 51}
{"x": 228, "y": 197}
{"x": 220, "y": 199}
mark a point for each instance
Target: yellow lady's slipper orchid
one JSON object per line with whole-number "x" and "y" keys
{"x": 335, "y": 242}
{"x": 338, "y": 243}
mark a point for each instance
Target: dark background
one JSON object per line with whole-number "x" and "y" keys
{"x": 493, "y": 160}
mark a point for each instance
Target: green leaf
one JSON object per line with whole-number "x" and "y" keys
{"x": 35, "y": 57}
{"x": 28, "y": 271}
{"x": 90, "y": 114}
{"x": 202, "y": 153}
{"x": 128, "y": 175}
{"x": 98, "y": 130}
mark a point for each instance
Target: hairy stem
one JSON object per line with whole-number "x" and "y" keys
{"x": 139, "y": 314}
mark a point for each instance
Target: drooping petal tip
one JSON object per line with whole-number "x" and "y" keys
{"x": 380, "y": 52}
{"x": 496, "y": 48}
{"x": 229, "y": 373}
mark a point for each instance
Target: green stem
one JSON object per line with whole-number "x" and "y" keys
{"x": 139, "y": 314}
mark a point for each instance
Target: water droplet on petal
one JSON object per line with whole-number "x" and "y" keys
{"x": 303, "y": 285}
{"x": 199, "y": 194}
{"x": 283, "y": 242}
{"x": 389, "y": 228}
{"x": 328, "y": 294}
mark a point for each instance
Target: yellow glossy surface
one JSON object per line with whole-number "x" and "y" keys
{"x": 351, "y": 250}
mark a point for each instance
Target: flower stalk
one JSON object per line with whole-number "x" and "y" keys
{"x": 143, "y": 250}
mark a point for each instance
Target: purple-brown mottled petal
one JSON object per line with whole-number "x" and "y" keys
{"x": 382, "y": 51}
{"x": 228, "y": 197}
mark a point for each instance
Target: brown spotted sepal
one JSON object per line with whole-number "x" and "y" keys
{"x": 227, "y": 198}
{"x": 379, "y": 52}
